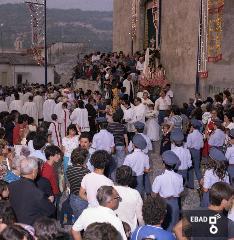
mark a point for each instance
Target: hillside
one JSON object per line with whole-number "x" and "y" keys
{"x": 72, "y": 25}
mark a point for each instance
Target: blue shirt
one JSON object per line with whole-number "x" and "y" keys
{"x": 11, "y": 177}
{"x": 152, "y": 232}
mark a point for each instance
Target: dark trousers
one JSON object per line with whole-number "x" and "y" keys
{"x": 196, "y": 159}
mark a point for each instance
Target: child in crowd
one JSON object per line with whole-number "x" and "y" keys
{"x": 53, "y": 155}
{"x": 165, "y": 142}
{"x": 4, "y": 192}
{"x": 177, "y": 137}
{"x": 195, "y": 144}
{"x": 139, "y": 162}
{"x": 152, "y": 126}
{"x": 216, "y": 171}
{"x": 54, "y": 128}
{"x": 169, "y": 186}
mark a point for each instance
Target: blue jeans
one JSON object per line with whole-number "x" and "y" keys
{"x": 65, "y": 164}
{"x": 77, "y": 205}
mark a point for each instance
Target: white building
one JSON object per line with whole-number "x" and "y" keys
{"x": 18, "y": 68}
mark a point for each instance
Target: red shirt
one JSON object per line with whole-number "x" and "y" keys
{"x": 48, "y": 172}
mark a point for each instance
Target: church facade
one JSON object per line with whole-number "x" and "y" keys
{"x": 178, "y": 36}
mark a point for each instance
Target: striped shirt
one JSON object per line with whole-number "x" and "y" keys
{"x": 75, "y": 175}
{"x": 118, "y": 130}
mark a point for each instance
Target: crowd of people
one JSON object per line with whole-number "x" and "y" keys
{"x": 84, "y": 158}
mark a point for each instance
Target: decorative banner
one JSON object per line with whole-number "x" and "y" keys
{"x": 215, "y": 30}
{"x": 155, "y": 12}
{"x": 36, "y": 9}
{"x": 134, "y": 18}
{"x": 202, "y": 57}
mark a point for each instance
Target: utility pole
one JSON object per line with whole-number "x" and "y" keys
{"x": 1, "y": 26}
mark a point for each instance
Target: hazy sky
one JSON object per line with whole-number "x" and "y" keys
{"x": 82, "y": 4}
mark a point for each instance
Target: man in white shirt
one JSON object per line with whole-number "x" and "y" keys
{"x": 108, "y": 200}
{"x": 16, "y": 104}
{"x": 162, "y": 104}
{"x": 139, "y": 111}
{"x": 3, "y": 105}
{"x": 30, "y": 108}
{"x": 38, "y": 99}
{"x": 169, "y": 91}
{"x": 48, "y": 108}
{"x": 94, "y": 180}
{"x": 103, "y": 140}
{"x": 140, "y": 65}
{"x": 39, "y": 142}
{"x": 128, "y": 84}
{"x": 130, "y": 208}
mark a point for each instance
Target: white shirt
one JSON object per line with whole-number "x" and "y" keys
{"x": 230, "y": 154}
{"x": 100, "y": 215}
{"x": 195, "y": 140}
{"x": 137, "y": 161}
{"x": 16, "y": 105}
{"x": 168, "y": 184}
{"x": 3, "y": 106}
{"x": 70, "y": 144}
{"x": 130, "y": 208}
{"x": 211, "y": 178}
{"x": 80, "y": 117}
{"x": 30, "y": 108}
{"x": 185, "y": 157}
{"x": 149, "y": 146}
{"x": 128, "y": 84}
{"x": 140, "y": 66}
{"x": 170, "y": 93}
{"x": 217, "y": 138}
{"x": 103, "y": 140}
{"x": 91, "y": 183}
{"x": 39, "y": 102}
{"x": 38, "y": 154}
{"x": 163, "y": 103}
{"x": 129, "y": 119}
{"x": 139, "y": 113}
{"x": 48, "y": 109}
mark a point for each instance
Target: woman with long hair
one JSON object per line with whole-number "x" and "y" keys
{"x": 216, "y": 171}
{"x": 69, "y": 143}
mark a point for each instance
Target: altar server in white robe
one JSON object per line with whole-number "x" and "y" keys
{"x": 27, "y": 94}
{"x": 48, "y": 108}
{"x": 3, "y": 105}
{"x": 64, "y": 119}
{"x": 38, "y": 99}
{"x": 16, "y": 104}
{"x": 54, "y": 129}
{"x": 139, "y": 111}
{"x": 80, "y": 117}
{"x": 58, "y": 109}
{"x": 30, "y": 108}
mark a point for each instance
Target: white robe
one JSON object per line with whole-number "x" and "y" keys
{"x": 48, "y": 109}
{"x": 56, "y": 135}
{"x": 152, "y": 127}
{"x": 129, "y": 119}
{"x": 16, "y": 105}
{"x": 65, "y": 121}
{"x": 30, "y": 108}
{"x": 58, "y": 110}
{"x": 140, "y": 112}
{"x": 80, "y": 117}
{"x": 3, "y": 106}
{"x": 25, "y": 97}
{"x": 39, "y": 103}
{"x": 127, "y": 84}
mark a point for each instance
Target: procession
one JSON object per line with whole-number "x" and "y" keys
{"x": 122, "y": 144}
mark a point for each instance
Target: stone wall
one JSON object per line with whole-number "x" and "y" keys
{"x": 221, "y": 74}
{"x": 179, "y": 33}
{"x": 122, "y": 26}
